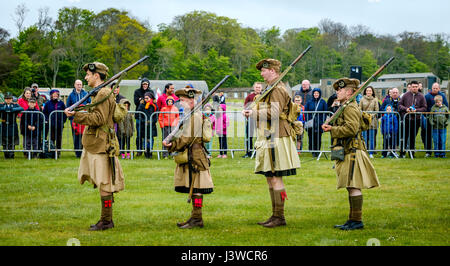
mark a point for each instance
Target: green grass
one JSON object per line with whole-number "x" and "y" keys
{"x": 42, "y": 203}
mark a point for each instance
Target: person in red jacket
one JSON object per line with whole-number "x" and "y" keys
{"x": 168, "y": 119}
{"x": 169, "y": 91}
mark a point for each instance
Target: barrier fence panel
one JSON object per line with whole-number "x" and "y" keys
{"x": 26, "y": 133}
{"x": 433, "y": 133}
{"x": 383, "y": 134}
{"x": 65, "y": 135}
{"x": 139, "y": 134}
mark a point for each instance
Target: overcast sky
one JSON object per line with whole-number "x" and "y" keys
{"x": 381, "y": 16}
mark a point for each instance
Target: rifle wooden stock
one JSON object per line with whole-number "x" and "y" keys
{"x": 358, "y": 91}
{"x": 270, "y": 87}
{"x": 200, "y": 105}
{"x": 106, "y": 83}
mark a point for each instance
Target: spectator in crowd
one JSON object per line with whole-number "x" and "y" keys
{"x": 426, "y": 130}
{"x": 77, "y": 94}
{"x": 315, "y": 104}
{"x": 40, "y": 99}
{"x": 331, "y": 101}
{"x": 24, "y": 98}
{"x": 305, "y": 91}
{"x": 392, "y": 99}
{"x": 32, "y": 128}
{"x": 408, "y": 88}
{"x": 216, "y": 100}
{"x": 222, "y": 97}
{"x": 57, "y": 119}
{"x": 9, "y": 130}
{"x": 301, "y": 117}
{"x": 169, "y": 91}
{"x": 119, "y": 96}
{"x": 125, "y": 129}
{"x": 412, "y": 101}
{"x": 207, "y": 111}
{"x": 439, "y": 122}
{"x": 222, "y": 123}
{"x": 250, "y": 122}
{"x": 369, "y": 103}
{"x": 389, "y": 129}
{"x": 168, "y": 120}
{"x": 140, "y": 119}
{"x": 148, "y": 127}
{"x": 334, "y": 106}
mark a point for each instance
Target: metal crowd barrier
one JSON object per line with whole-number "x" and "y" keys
{"x": 241, "y": 136}
{"x": 30, "y": 131}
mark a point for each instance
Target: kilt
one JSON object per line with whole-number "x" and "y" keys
{"x": 286, "y": 157}
{"x": 202, "y": 184}
{"x": 364, "y": 175}
{"x": 95, "y": 168}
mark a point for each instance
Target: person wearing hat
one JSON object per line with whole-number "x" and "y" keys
{"x": 355, "y": 172}
{"x": 99, "y": 164}
{"x": 147, "y": 126}
{"x": 9, "y": 129}
{"x": 55, "y": 120}
{"x": 138, "y": 100}
{"x": 192, "y": 175}
{"x": 276, "y": 153}
{"x": 40, "y": 99}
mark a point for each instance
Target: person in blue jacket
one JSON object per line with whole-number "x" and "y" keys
{"x": 77, "y": 94}
{"x": 315, "y": 104}
{"x": 389, "y": 129}
{"x": 56, "y": 121}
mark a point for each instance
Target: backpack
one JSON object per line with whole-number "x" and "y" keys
{"x": 120, "y": 111}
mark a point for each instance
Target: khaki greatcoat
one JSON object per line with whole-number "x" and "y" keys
{"x": 347, "y": 131}
{"x": 191, "y": 138}
{"x": 266, "y": 112}
{"x": 95, "y": 163}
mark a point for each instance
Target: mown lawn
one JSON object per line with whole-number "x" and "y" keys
{"x": 42, "y": 203}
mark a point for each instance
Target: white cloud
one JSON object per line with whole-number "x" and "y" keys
{"x": 374, "y": 1}
{"x": 74, "y": 1}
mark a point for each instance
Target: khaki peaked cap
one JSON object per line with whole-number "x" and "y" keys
{"x": 346, "y": 82}
{"x": 96, "y": 67}
{"x": 269, "y": 63}
{"x": 187, "y": 92}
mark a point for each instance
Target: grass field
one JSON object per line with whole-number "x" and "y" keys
{"x": 42, "y": 203}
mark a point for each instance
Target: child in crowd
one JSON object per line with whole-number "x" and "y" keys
{"x": 168, "y": 120}
{"x": 298, "y": 100}
{"x": 222, "y": 122}
{"x": 32, "y": 125}
{"x": 439, "y": 123}
{"x": 207, "y": 111}
{"x": 389, "y": 129}
{"x": 148, "y": 126}
{"x": 125, "y": 129}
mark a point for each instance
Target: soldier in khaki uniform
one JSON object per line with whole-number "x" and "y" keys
{"x": 194, "y": 173}
{"x": 100, "y": 145}
{"x": 356, "y": 172}
{"x": 276, "y": 154}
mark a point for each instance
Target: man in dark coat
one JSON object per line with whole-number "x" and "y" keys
{"x": 9, "y": 130}
{"x": 77, "y": 94}
{"x": 57, "y": 119}
{"x": 139, "y": 99}
{"x": 411, "y": 102}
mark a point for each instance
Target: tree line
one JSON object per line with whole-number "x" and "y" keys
{"x": 201, "y": 46}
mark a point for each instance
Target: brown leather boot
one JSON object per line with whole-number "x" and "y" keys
{"x": 276, "y": 221}
{"x": 278, "y": 214}
{"x": 105, "y": 221}
{"x": 184, "y": 223}
{"x": 196, "y": 214}
{"x": 102, "y": 225}
{"x": 194, "y": 222}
